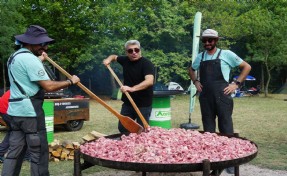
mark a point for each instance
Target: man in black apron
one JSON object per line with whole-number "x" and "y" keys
{"x": 212, "y": 83}
{"x": 29, "y": 81}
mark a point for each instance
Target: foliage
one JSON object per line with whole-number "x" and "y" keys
{"x": 10, "y": 22}
{"x": 266, "y": 45}
{"x": 88, "y": 31}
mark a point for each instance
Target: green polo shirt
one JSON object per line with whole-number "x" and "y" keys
{"x": 27, "y": 70}
{"x": 228, "y": 60}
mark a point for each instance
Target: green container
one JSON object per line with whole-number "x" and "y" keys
{"x": 48, "y": 107}
{"x": 161, "y": 112}
{"x": 117, "y": 94}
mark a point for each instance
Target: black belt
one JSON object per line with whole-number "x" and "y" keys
{"x": 15, "y": 99}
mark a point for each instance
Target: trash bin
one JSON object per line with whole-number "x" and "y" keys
{"x": 161, "y": 110}
{"x": 48, "y": 107}
{"x": 117, "y": 94}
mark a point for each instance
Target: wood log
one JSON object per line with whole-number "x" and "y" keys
{"x": 64, "y": 156}
{"x": 72, "y": 153}
{"x": 76, "y": 145}
{"x": 88, "y": 137}
{"x": 56, "y": 154}
{"x": 97, "y": 134}
{"x": 70, "y": 157}
{"x": 56, "y": 160}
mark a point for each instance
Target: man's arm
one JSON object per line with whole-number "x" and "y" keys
{"x": 245, "y": 69}
{"x": 149, "y": 79}
{"x": 110, "y": 59}
{"x": 195, "y": 81}
{"x": 192, "y": 74}
{"x": 50, "y": 86}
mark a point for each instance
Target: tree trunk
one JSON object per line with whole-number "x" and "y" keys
{"x": 262, "y": 77}
{"x": 4, "y": 77}
{"x": 268, "y": 70}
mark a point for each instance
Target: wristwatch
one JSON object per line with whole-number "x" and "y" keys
{"x": 238, "y": 83}
{"x": 195, "y": 81}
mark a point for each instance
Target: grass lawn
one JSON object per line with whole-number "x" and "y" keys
{"x": 259, "y": 119}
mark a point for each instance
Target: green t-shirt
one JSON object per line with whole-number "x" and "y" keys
{"x": 228, "y": 60}
{"x": 27, "y": 70}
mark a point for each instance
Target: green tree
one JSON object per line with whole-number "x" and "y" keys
{"x": 265, "y": 28}
{"x": 70, "y": 23}
{"x": 10, "y": 22}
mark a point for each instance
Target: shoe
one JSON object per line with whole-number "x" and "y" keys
{"x": 230, "y": 170}
{"x": 27, "y": 159}
{"x": 1, "y": 159}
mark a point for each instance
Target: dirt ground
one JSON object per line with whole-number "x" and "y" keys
{"x": 245, "y": 170}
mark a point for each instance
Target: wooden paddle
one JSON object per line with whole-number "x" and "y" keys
{"x": 131, "y": 125}
{"x": 130, "y": 98}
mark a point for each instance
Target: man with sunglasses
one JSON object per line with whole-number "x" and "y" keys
{"x": 138, "y": 73}
{"x": 212, "y": 82}
{"x": 29, "y": 80}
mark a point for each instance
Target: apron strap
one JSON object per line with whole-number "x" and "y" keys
{"x": 16, "y": 83}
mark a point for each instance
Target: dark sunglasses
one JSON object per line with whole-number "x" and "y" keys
{"x": 209, "y": 40}
{"x": 44, "y": 44}
{"x": 131, "y": 51}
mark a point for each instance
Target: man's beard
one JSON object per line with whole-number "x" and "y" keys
{"x": 38, "y": 52}
{"x": 211, "y": 48}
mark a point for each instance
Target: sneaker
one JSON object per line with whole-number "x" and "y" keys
{"x": 230, "y": 170}
{"x": 1, "y": 159}
{"x": 27, "y": 159}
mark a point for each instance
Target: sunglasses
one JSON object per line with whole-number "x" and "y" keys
{"x": 209, "y": 40}
{"x": 44, "y": 44}
{"x": 132, "y": 50}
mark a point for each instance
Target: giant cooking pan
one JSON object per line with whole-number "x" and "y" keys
{"x": 205, "y": 166}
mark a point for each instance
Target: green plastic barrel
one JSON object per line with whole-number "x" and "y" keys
{"x": 161, "y": 113}
{"x": 117, "y": 94}
{"x": 48, "y": 107}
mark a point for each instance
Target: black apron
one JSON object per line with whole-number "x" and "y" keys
{"x": 37, "y": 101}
{"x": 213, "y": 101}
{"x": 39, "y": 166}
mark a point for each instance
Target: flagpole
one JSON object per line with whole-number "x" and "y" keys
{"x": 195, "y": 49}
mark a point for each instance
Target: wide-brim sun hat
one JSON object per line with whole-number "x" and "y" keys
{"x": 209, "y": 33}
{"x": 34, "y": 35}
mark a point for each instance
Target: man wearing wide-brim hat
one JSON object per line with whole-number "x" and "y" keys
{"x": 212, "y": 81}
{"x": 29, "y": 80}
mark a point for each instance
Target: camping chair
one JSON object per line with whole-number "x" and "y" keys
{"x": 255, "y": 91}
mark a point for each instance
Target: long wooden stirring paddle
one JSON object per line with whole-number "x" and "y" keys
{"x": 131, "y": 125}
{"x": 130, "y": 98}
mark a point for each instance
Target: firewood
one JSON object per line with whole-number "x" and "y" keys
{"x": 88, "y": 137}
{"x": 67, "y": 151}
{"x": 72, "y": 153}
{"x": 97, "y": 134}
{"x": 76, "y": 145}
{"x": 50, "y": 149}
{"x": 68, "y": 144}
{"x": 59, "y": 149}
{"x": 56, "y": 160}
{"x": 64, "y": 156}
{"x": 56, "y": 154}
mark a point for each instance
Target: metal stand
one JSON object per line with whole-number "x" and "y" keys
{"x": 189, "y": 125}
{"x": 78, "y": 166}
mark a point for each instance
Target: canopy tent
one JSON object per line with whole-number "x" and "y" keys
{"x": 248, "y": 78}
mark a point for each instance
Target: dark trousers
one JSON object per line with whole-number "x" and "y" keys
{"x": 4, "y": 145}
{"x": 214, "y": 105}
{"x": 25, "y": 134}
{"x": 130, "y": 112}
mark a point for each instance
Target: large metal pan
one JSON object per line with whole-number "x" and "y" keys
{"x": 153, "y": 167}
